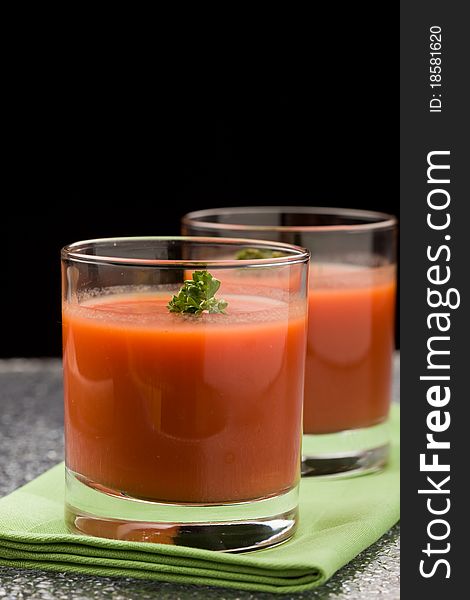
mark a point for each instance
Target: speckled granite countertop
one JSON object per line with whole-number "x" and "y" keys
{"x": 31, "y": 441}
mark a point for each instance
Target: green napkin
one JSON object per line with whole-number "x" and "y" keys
{"x": 338, "y": 519}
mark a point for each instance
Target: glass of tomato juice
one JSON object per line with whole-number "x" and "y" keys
{"x": 183, "y": 384}
{"x": 351, "y": 324}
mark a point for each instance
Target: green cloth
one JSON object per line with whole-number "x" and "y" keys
{"x": 338, "y": 519}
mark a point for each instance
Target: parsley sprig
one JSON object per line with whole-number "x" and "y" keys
{"x": 255, "y": 253}
{"x": 198, "y": 295}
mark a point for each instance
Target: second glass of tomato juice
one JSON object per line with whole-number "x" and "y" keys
{"x": 351, "y": 323}
{"x": 183, "y": 382}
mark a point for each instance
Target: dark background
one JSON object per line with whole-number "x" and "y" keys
{"x": 109, "y": 147}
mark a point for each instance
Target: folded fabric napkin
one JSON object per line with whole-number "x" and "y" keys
{"x": 338, "y": 519}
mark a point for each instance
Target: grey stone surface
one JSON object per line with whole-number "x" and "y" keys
{"x": 31, "y": 441}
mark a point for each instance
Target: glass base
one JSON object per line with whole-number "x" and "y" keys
{"x": 346, "y": 453}
{"x": 224, "y": 527}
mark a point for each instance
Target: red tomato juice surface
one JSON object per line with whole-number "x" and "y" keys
{"x": 177, "y": 408}
{"x": 349, "y": 348}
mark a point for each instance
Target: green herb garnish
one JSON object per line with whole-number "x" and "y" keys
{"x": 254, "y": 253}
{"x": 198, "y": 295}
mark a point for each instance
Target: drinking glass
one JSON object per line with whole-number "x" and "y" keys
{"x": 183, "y": 427}
{"x": 351, "y": 324}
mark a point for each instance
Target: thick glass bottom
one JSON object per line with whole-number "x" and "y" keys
{"x": 234, "y": 527}
{"x": 346, "y": 453}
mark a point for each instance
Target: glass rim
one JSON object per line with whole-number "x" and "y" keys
{"x": 297, "y": 254}
{"x": 379, "y": 220}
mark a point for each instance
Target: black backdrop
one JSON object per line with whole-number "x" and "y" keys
{"x": 112, "y": 151}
